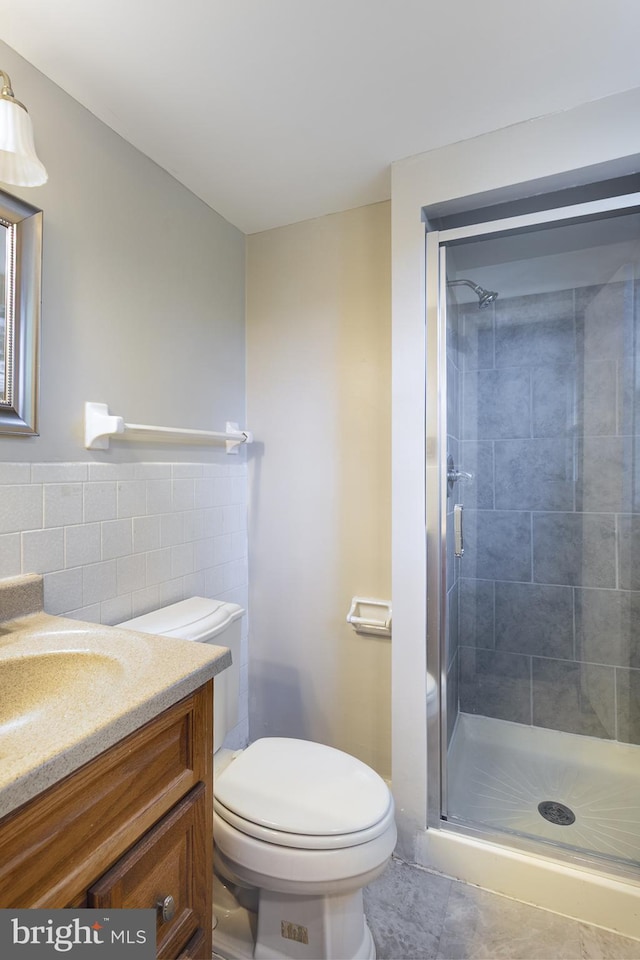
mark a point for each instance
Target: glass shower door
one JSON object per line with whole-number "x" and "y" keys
{"x": 541, "y": 653}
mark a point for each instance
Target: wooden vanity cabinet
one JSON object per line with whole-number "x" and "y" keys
{"x": 166, "y": 869}
{"x": 131, "y": 828}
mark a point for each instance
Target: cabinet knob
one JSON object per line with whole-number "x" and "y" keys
{"x": 166, "y": 908}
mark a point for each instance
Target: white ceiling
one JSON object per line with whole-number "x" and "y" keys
{"x": 274, "y": 111}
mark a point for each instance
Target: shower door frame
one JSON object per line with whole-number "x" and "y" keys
{"x": 437, "y": 242}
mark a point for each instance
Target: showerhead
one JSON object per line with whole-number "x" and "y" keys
{"x": 485, "y": 297}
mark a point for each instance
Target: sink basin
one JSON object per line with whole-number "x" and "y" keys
{"x": 32, "y": 688}
{"x": 57, "y": 681}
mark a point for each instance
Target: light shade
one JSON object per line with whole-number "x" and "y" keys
{"x": 19, "y": 163}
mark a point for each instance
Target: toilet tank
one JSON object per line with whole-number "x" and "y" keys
{"x": 204, "y": 621}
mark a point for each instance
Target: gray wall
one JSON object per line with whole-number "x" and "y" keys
{"x": 143, "y": 288}
{"x": 550, "y": 596}
{"x": 142, "y": 309}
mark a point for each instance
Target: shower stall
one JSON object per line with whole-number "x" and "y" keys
{"x": 533, "y": 518}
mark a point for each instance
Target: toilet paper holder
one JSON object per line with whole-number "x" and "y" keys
{"x": 369, "y": 616}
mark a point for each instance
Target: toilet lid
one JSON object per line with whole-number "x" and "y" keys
{"x": 194, "y": 619}
{"x": 301, "y": 787}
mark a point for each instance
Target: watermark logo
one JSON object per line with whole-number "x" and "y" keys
{"x": 79, "y": 934}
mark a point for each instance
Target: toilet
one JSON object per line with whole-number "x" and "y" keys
{"x": 299, "y": 827}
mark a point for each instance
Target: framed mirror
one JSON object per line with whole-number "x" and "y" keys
{"x": 20, "y": 295}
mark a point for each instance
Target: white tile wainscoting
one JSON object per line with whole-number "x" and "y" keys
{"x": 114, "y": 541}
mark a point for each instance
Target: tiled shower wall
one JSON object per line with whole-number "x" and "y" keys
{"x": 114, "y": 541}
{"x": 549, "y": 595}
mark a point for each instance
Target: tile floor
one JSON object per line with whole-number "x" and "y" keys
{"x": 417, "y": 915}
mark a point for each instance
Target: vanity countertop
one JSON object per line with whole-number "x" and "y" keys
{"x": 70, "y": 689}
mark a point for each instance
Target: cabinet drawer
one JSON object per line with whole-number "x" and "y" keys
{"x": 171, "y": 860}
{"x": 55, "y": 846}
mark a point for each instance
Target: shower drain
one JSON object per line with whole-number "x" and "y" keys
{"x": 556, "y": 812}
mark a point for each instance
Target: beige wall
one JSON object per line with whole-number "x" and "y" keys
{"x": 318, "y": 400}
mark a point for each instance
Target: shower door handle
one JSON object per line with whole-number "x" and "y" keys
{"x": 458, "y": 539}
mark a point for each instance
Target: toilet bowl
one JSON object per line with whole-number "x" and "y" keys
{"x": 299, "y": 827}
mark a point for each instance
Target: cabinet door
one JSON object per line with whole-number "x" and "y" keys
{"x": 195, "y": 949}
{"x": 171, "y": 861}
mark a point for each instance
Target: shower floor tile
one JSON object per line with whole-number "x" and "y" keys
{"x": 500, "y": 771}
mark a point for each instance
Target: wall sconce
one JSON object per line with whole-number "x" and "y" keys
{"x": 19, "y": 163}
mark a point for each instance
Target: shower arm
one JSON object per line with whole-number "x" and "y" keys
{"x": 467, "y": 283}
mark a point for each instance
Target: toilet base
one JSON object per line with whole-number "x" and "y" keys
{"x": 291, "y": 928}
{"x": 234, "y": 932}
{"x": 318, "y": 927}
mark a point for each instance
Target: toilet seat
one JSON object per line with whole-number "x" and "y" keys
{"x": 299, "y": 793}
{"x": 336, "y": 841}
